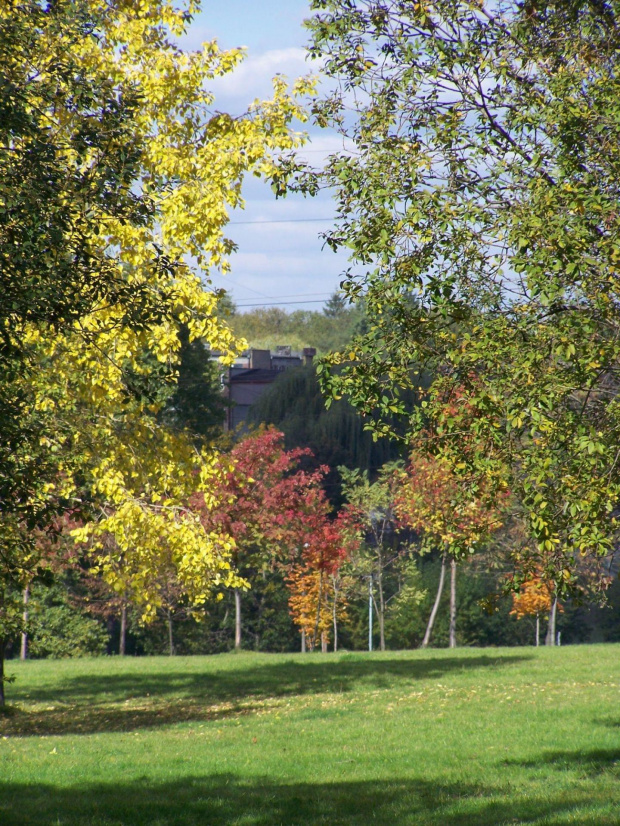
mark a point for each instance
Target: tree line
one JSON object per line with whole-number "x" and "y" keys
{"x": 479, "y": 207}
{"x": 307, "y": 574}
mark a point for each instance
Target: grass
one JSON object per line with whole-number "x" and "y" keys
{"x": 465, "y": 738}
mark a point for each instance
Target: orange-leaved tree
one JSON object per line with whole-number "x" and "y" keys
{"x": 316, "y": 597}
{"x": 450, "y": 514}
{"x": 534, "y": 598}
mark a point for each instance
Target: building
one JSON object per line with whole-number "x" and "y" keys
{"x": 251, "y": 375}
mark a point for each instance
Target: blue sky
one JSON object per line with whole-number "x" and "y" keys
{"x": 280, "y": 259}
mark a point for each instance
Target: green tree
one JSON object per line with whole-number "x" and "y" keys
{"x": 114, "y": 173}
{"x": 336, "y": 435}
{"x": 484, "y": 183}
{"x": 57, "y": 629}
{"x": 267, "y": 327}
{"x": 336, "y": 307}
{"x": 370, "y": 509}
{"x": 195, "y": 401}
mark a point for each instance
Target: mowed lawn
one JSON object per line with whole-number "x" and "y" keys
{"x": 467, "y": 737}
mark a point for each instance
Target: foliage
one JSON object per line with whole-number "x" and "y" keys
{"x": 196, "y": 403}
{"x": 336, "y": 436}
{"x": 370, "y": 515}
{"x": 97, "y": 369}
{"x": 448, "y": 514}
{"x": 267, "y": 327}
{"x": 268, "y": 504}
{"x": 262, "y": 498}
{"x": 534, "y": 598}
{"x": 480, "y": 210}
{"x": 316, "y": 600}
{"x": 116, "y": 172}
{"x": 406, "y": 613}
{"x": 56, "y": 629}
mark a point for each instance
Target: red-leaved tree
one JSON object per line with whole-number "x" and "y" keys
{"x": 265, "y": 502}
{"x": 316, "y": 600}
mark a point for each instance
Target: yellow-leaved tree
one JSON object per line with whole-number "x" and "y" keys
{"x": 122, "y": 174}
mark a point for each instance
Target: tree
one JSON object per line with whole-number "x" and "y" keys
{"x": 316, "y": 599}
{"x": 480, "y": 209}
{"x": 336, "y": 306}
{"x": 337, "y": 436}
{"x": 370, "y": 511}
{"x": 114, "y": 172}
{"x": 534, "y": 599}
{"x": 263, "y": 501}
{"x": 268, "y": 327}
{"x": 450, "y": 516}
{"x": 195, "y": 401}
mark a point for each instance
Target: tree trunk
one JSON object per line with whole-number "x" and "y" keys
{"x": 23, "y": 653}
{"x": 431, "y": 619}
{"x": 550, "y": 638}
{"x": 237, "y": 619}
{"x": 303, "y": 642}
{"x": 122, "y": 643}
{"x": 2, "y": 643}
{"x": 537, "y": 630}
{"x": 315, "y": 639}
{"x": 370, "y": 602}
{"x": 323, "y": 642}
{"x": 381, "y": 614}
{"x": 453, "y": 603}
{"x": 335, "y": 619}
{"x": 171, "y": 650}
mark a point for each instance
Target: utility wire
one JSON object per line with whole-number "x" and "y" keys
{"x": 289, "y": 295}
{"x": 284, "y": 303}
{"x": 287, "y": 221}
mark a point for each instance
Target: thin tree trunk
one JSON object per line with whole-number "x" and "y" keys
{"x": 370, "y": 604}
{"x": 431, "y": 619}
{"x": 323, "y": 642}
{"x": 550, "y": 638}
{"x": 381, "y": 614}
{"x": 122, "y": 644}
{"x": 318, "y": 613}
{"x": 237, "y": 619}
{"x": 303, "y": 642}
{"x": 2, "y": 643}
{"x": 335, "y": 620}
{"x": 171, "y": 650}
{"x": 23, "y": 653}
{"x": 453, "y": 603}
{"x": 537, "y": 630}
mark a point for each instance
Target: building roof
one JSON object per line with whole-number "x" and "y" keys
{"x": 252, "y": 374}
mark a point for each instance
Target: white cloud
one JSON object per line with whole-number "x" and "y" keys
{"x": 252, "y": 78}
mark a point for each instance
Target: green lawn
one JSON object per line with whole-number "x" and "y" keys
{"x": 472, "y": 737}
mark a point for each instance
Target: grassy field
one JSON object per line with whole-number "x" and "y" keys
{"x": 472, "y": 737}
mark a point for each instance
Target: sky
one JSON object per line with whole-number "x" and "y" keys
{"x": 280, "y": 258}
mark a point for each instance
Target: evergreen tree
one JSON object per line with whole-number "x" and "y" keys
{"x": 336, "y": 436}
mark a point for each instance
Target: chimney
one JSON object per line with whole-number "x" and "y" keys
{"x": 260, "y": 359}
{"x": 308, "y": 354}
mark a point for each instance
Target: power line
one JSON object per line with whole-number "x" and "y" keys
{"x": 284, "y": 303}
{"x": 288, "y": 221}
{"x": 229, "y": 281}
{"x": 289, "y": 295}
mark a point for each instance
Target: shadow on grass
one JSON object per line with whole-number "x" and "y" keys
{"x": 608, "y": 722}
{"x": 124, "y": 702}
{"x": 589, "y": 763}
{"x": 229, "y": 800}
